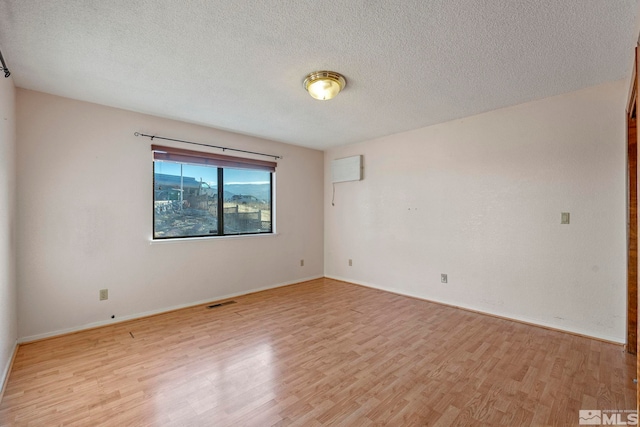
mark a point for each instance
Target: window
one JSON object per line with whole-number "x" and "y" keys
{"x": 199, "y": 194}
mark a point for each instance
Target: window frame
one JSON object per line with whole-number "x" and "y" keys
{"x": 219, "y": 162}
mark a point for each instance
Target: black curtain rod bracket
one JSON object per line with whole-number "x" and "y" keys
{"x": 207, "y": 145}
{"x": 7, "y": 73}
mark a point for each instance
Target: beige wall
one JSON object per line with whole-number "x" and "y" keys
{"x": 480, "y": 199}
{"x": 8, "y": 290}
{"x": 84, "y": 198}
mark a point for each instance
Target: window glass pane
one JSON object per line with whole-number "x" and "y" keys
{"x": 247, "y": 201}
{"x": 185, "y": 201}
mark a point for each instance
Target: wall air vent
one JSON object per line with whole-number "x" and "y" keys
{"x": 220, "y": 304}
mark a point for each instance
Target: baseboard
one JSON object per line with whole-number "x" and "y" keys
{"x": 531, "y": 322}
{"x": 4, "y": 379}
{"x": 526, "y": 321}
{"x": 100, "y": 324}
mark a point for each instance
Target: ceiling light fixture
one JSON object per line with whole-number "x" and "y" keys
{"x": 324, "y": 85}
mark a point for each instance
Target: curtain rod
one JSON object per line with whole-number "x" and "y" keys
{"x": 207, "y": 145}
{"x": 7, "y": 73}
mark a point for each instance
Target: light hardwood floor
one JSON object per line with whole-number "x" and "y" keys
{"x": 317, "y": 353}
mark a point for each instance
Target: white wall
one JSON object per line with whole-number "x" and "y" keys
{"x": 480, "y": 199}
{"x": 85, "y": 223}
{"x": 8, "y": 292}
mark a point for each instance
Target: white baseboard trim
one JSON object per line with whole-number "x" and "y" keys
{"x": 37, "y": 337}
{"x": 4, "y": 378}
{"x": 520, "y": 319}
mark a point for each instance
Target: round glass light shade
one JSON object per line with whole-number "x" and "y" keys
{"x": 324, "y": 85}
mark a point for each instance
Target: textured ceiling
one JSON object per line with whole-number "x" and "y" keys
{"x": 239, "y": 65}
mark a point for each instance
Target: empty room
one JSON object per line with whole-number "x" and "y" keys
{"x": 346, "y": 213}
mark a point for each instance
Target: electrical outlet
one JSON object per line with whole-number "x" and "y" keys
{"x": 564, "y": 218}
{"x": 350, "y": 263}
{"x": 301, "y": 263}
{"x": 104, "y": 294}
{"x": 443, "y": 278}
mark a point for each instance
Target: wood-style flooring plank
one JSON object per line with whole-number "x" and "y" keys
{"x": 317, "y": 353}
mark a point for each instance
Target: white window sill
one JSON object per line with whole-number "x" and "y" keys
{"x": 209, "y": 238}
